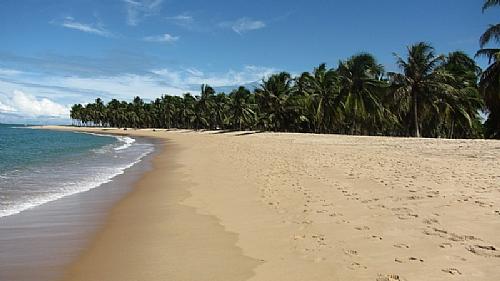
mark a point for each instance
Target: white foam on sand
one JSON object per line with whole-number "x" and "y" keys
{"x": 90, "y": 181}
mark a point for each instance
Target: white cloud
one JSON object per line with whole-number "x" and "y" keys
{"x": 139, "y": 9}
{"x": 163, "y": 38}
{"x": 69, "y": 22}
{"x": 123, "y": 86}
{"x": 9, "y": 72}
{"x": 27, "y": 105}
{"x": 6, "y": 109}
{"x": 244, "y": 24}
{"x": 192, "y": 78}
{"x": 181, "y": 18}
{"x": 184, "y": 20}
{"x": 194, "y": 72}
{"x": 49, "y": 95}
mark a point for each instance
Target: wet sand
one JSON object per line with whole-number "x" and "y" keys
{"x": 240, "y": 206}
{"x": 39, "y": 243}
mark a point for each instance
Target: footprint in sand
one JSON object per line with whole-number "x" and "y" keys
{"x": 406, "y": 216}
{"x": 356, "y": 266}
{"x": 389, "y": 277}
{"x": 376, "y": 237}
{"x": 351, "y": 252}
{"x": 362, "y": 227}
{"x": 411, "y": 259}
{"x": 415, "y": 259}
{"x": 484, "y": 250}
{"x": 401, "y": 246}
{"x": 431, "y": 221}
{"x": 445, "y": 245}
{"x": 452, "y": 271}
{"x": 299, "y": 237}
{"x": 334, "y": 214}
{"x": 449, "y": 235}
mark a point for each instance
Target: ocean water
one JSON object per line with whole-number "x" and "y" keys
{"x": 40, "y": 166}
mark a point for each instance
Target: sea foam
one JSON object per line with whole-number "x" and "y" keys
{"x": 50, "y": 183}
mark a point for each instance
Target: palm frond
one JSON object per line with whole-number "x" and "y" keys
{"x": 492, "y": 33}
{"x": 490, "y": 3}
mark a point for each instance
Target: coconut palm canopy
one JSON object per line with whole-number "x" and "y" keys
{"x": 58, "y": 53}
{"x": 490, "y": 78}
{"x": 431, "y": 95}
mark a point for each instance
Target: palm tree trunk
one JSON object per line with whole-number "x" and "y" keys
{"x": 415, "y": 116}
{"x": 452, "y": 128}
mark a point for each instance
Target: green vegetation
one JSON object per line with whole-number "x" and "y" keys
{"x": 490, "y": 78}
{"x": 432, "y": 96}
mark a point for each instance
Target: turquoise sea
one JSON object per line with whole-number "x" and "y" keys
{"x": 39, "y": 166}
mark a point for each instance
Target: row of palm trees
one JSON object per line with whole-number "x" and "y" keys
{"x": 433, "y": 96}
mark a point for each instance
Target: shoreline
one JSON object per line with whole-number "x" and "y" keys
{"x": 274, "y": 206}
{"x": 169, "y": 225}
{"x": 39, "y": 242}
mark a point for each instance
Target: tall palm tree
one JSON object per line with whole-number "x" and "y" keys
{"x": 272, "y": 96}
{"x": 205, "y": 106}
{"x": 241, "y": 110}
{"x": 112, "y": 112}
{"x": 168, "y": 109}
{"x": 464, "y": 103}
{"x": 187, "y": 111}
{"x": 322, "y": 88}
{"x": 76, "y": 113}
{"x": 419, "y": 81}
{"x": 220, "y": 109}
{"x": 490, "y": 79}
{"x": 360, "y": 87}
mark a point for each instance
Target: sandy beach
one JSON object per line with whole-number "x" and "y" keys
{"x": 269, "y": 206}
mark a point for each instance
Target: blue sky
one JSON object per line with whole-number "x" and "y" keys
{"x": 56, "y": 53}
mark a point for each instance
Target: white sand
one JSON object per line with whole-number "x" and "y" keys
{"x": 326, "y": 207}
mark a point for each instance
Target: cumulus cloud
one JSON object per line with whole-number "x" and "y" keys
{"x": 27, "y": 105}
{"x": 163, "y": 38}
{"x": 139, "y": 9}
{"x": 243, "y": 25}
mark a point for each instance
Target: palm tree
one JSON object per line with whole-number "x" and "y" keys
{"x": 272, "y": 97}
{"x": 322, "y": 89}
{"x": 490, "y": 3}
{"x": 112, "y": 110}
{"x": 76, "y": 113}
{"x": 205, "y": 104}
{"x": 419, "y": 81}
{"x": 433, "y": 96}
{"x": 241, "y": 110}
{"x": 187, "y": 111}
{"x": 220, "y": 109}
{"x": 99, "y": 112}
{"x": 464, "y": 102}
{"x": 168, "y": 110}
{"x": 360, "y": 87}
{"x": 490, "y": 79}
